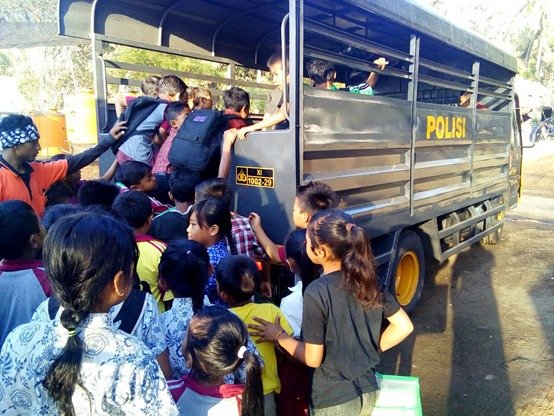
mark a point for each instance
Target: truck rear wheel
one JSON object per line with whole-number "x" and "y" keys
{"x": 495, "y": 237}
{"x": 409, "y": 271}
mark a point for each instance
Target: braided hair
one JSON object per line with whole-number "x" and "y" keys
{"x": 82, "y": 254}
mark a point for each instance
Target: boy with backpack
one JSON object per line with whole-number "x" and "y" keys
{"x": 204, "y": 141}
{"x": 144, "y": 115}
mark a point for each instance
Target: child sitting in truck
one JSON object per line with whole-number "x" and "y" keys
{"x": 323, "y": 74}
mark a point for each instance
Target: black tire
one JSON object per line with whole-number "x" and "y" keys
{"x": 495, "y": 237}
{"x": 408, "y": 271}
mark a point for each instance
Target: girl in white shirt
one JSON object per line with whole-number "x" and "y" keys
{"x": 78, "y": 364}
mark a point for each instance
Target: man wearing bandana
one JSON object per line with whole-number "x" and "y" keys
{"x": 25, "y": 179}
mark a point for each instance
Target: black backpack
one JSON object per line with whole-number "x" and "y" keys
{"x": 138, "y": 110}
{"x": 197, "y": 145}
{"x": 128, "y": 314}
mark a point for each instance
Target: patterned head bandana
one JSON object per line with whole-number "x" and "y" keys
{"x": 18, "y": 135}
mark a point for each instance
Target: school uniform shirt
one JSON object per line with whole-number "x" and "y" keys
{"x": 150, "y": 253}
{"x": 217, "y": 252}
{"x": 170, "y": 225}
{"x": 291, "y": 306}
{"x": 118, "y": 373}
{"x": 175, "y": 323}
{"x": 23, "y": 286}
{"x": 269, "y": 312}
{"x": 334, "y": 318}
{"x": 139, "y": 146}
{"x": 194, "y": 399}
{"x": 244, "y": 238}
{"x": 148, "y": 327}
{"x": 161, "y": 161}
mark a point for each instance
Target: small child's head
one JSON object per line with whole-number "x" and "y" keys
{"x": 149, "y": 85}
{"x": 184, "y": 269}
{"x": 72, "y": 178}
{"x": 237, "y": 278}
{"x": 215, "y": 345}
{"x": 22, "y": 233}
{"x": 298, "y": 260}
{"x": 275, "y": 66}
{"x": 237, "y": 100}
{"x": 321, "y": 72}
{"x": 333, "y": 236}
{"x": 210, "y": 222}
{"x": 136, "y": 208}
{"x": 173, "y": 87}
{"x": 97, "y": 192}
{"x": 182, "y": 184}
{"x": 175, "y": 114}
{"x": 201, "y": 98}
{"x": 465, "y": 99}
{"x": 57, "y": 212}
{"x": 310, "y": 199}
{"x": 59, "y": 192}
{"x": 136, "y": 176}
{"x": 214, "y": 188}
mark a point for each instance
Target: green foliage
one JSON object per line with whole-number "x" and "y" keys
{"x": 6, "y": 67}
{"x": 165, "y": 64}
{"x": 46, "y": 75}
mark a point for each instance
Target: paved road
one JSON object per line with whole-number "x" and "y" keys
{"x": 484, "y": 337}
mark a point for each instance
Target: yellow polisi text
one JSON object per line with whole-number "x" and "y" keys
{"x": 445, "y": 127}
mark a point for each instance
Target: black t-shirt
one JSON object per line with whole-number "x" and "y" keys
{"x": 170, "y": 225}
{"x": 334, "y": 318}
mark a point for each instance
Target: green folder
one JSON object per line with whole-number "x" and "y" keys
{"x": 397, "y": 396}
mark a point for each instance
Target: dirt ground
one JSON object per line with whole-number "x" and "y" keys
{"x": 484, "y": 329}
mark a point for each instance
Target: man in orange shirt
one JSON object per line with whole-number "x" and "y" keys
{"x": 23, "y": 178}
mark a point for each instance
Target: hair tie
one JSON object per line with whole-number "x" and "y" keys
{"x": 349, "y": 226}
{"x": 241, "y": 352}
{"x": 72, "y": 332}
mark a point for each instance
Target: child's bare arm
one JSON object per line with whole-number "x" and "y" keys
{"x": 399, "y": 328}
{"x": 110, "y": 172}
{"x": 120, "y": 104}
{"x": 373, "y": 76}
{"x": 229, "y": 138}
{"x": 271, "y": 121}
{"x": 160, "y": 136}
{"x": 269, "y": 246}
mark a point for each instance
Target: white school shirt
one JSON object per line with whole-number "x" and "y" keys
{"x": 119, "y": 374}
{"x": 291, "y": 306}
{"x": 148, "y": 327}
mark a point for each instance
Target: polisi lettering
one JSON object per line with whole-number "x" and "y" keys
{"x": 445, "y": 127}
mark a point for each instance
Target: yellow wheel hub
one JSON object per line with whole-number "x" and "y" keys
{"x": 407, "y": 277}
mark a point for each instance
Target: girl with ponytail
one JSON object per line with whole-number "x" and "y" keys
{"x": 77, "y": 364}
{"x": 215, "y": 346}
{"x": 342, "y": 315}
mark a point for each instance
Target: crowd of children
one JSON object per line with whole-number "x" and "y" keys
{"x": 118, "y": 302}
